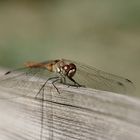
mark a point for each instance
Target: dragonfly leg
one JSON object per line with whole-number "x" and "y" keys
{"x": 45, "y": 84}
{"x": 75, "y": 83}
{"x": 53, "y": 83}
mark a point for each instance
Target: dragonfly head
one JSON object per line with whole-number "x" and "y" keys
{"x": 69, "y": 69}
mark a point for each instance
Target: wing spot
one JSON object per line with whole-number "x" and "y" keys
{"x": 121, "y": 84}
{"x": 128, "y": 80}
{"x": 8, "y": 72}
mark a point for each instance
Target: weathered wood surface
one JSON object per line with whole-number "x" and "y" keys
{"x": 75, "y": 114}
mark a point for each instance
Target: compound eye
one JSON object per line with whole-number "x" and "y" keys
{"x": 72, "y": 70}
{"x": 66, "y": 68}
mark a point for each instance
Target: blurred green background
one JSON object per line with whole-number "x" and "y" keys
{"x": 103, "y": 34}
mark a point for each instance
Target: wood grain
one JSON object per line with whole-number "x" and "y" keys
{"x": 75, "y": 114}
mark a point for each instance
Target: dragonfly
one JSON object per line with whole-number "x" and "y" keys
{"x": 67, "y": 72}
{"x": 37, "y": 75}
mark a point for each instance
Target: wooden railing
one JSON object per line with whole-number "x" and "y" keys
{"x": 75, "y": 114}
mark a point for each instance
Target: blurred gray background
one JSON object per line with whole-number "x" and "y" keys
{"x": 103, "y": 34}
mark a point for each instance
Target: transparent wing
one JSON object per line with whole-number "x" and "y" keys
{"x": 30, "y": 80}
{"x": 24, "y": 82}
{"x": 94, "y": 78}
